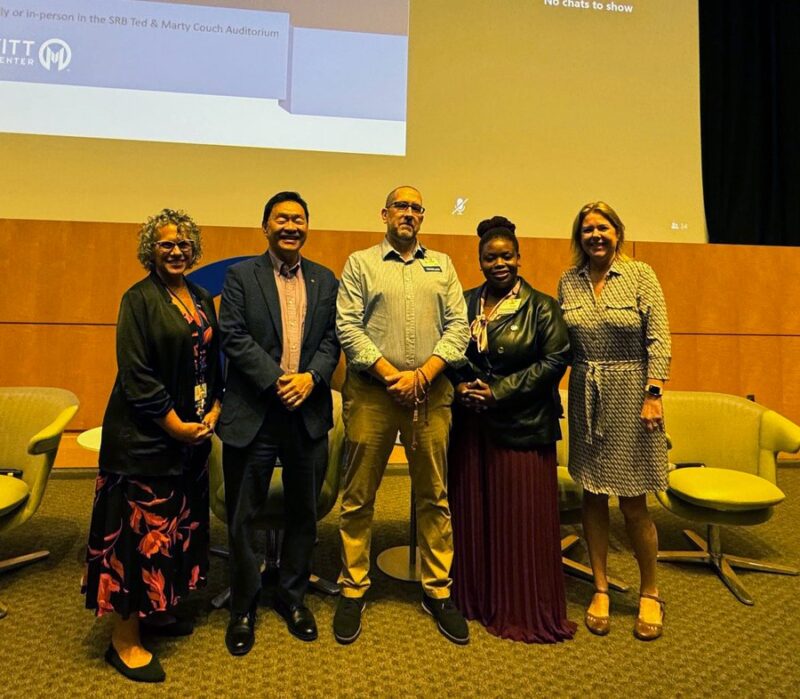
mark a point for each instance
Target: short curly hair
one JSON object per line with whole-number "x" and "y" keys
{"x": 148, "y": 236}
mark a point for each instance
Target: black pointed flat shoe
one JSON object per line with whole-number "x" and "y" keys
{"x": 152, "y": 672}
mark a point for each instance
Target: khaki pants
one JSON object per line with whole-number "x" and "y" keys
{"x": 372, "y": 419}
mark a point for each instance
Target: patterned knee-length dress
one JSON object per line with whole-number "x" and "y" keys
{"x": 619, "y": 339}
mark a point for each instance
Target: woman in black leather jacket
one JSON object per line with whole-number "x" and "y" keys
{"x": 503, "y": 486}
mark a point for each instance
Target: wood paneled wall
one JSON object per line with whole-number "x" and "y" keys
{"x": 733, "y": 309}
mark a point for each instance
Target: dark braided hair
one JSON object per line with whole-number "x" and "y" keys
{"x": 497, "y": 227}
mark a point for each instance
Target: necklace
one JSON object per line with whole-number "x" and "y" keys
{"x": 197, "y": 319}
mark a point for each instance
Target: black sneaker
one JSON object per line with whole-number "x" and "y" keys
{"x": 449, "y": 620}
{"x": 347, "y": 620}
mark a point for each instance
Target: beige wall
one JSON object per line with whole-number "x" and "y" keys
{"x": 732, "y": 311}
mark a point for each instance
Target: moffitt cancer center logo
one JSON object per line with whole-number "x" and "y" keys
{"x": 54, "y": 54}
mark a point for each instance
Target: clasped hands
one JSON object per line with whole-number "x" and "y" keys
{"x": 193, "y": 433}
{"x": 475, "y": 395}
{"x": 293, "y": 389}
{"x": 400, "y": 386}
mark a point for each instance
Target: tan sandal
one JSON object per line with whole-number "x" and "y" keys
{"x": 598, "y": 625}
{"x": 646, "y": 631}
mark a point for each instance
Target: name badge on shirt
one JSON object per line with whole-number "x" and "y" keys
{"x": 508, "y": 307}
{"x": 200, "y": 394}
{"x": 429, "y": 264}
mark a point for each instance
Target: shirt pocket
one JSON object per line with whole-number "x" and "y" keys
{"x": 622, "y": 314}
{"x": 571, "y": 312}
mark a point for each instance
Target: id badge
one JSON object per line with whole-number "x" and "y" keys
{"x": 430, "y": 264}
{"x": 200, "y": 394}
{"x": 508, "y": 307}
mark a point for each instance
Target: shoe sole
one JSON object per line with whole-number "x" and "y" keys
{"x": 344, "y": 640}
{"x": 449, "y": 637}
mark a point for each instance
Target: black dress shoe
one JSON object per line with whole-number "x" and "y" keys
{"x": 152, "y": 672}
{"x": 299, "y": 620}
{"x": 241, "y": 633}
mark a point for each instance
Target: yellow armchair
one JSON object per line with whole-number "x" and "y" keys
{"x": 728, "y": 446}
{"x": 32, "y": 420}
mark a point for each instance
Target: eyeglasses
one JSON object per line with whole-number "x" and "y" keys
{"x": 406, "y": 205}
{"x": 185, "y": 246}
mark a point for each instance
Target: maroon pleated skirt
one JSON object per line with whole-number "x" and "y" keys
{"x": 507, "y": 565}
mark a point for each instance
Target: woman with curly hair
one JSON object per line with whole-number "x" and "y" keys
{"x": 148, "y": 539}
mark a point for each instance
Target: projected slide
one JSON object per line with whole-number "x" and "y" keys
{"x": 526, "y": 108}
{"x": 202, "y": 73}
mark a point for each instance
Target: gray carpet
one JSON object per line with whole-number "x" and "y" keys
{"x": 713, "y": 645}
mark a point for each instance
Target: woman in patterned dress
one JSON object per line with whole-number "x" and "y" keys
{"x": 503, "y": 483}
{"x": 149, "y": 532}
{"x": 617, "y": 321}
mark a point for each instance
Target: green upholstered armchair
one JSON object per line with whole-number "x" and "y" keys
{"x": 724, "y": 448}
{"x": 271, "y": 516}
{"x": 32, "y": 420}
{"x": 570, "y": 497}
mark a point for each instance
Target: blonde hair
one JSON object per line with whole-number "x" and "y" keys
{"x": 579, "y": 257}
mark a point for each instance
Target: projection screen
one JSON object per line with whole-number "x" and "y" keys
{"x": 112, "y": 109}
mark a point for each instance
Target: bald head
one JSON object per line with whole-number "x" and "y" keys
{"x": 395, "y": 194}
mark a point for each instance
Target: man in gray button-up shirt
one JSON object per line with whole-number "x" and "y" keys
{"x": 401, "y": 319}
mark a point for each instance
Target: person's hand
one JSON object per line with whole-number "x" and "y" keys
{"x": 466, "y": 396}
{"x": 463, "y": 394}
{"x": 400, "y": 386}
{"x": 293, "y": 389}
{"x": 211, "y": 417}
{"x": 190, "y": 432}
{"x": 481, "y": 395}
{"x": 652, "y": 415}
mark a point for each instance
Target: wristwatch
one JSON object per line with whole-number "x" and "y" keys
{"x": 315, "y": 377}
{"x": 653, "y": 390}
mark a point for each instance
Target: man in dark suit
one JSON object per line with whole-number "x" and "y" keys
{"x": 277, "y": 320}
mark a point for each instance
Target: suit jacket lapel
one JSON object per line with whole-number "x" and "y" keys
{"x": 312, "y": 295}
{"x": 265, "y": 276}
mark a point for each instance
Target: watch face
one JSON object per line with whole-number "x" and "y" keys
{"x": 654, "y": 390}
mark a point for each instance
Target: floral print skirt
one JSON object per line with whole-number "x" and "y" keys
{"x": 148, "y": 540}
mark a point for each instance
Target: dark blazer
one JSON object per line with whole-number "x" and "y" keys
{"x": 155, "y": 373}
{"x": 252, "y": 339}
{"x": 528, "y": 354}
